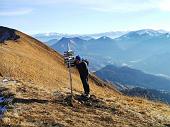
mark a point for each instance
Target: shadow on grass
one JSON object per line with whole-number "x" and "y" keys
{"x": 67, "y": 100}
{"x": 28, "y": 101}
{"x": 167, "y": 125}
{"x": 80, "y": 101}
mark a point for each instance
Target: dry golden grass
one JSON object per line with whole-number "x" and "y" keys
{"x": 37, "y": 107}
{"x": 43, "y": 86}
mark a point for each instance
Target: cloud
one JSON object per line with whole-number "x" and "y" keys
{"x": 164, "y": 5}
{"x": 113, "y": 5}
{"x": 16, "y": 12}
{"x": 127, "y": 5}
{"x": 122, "y": 6}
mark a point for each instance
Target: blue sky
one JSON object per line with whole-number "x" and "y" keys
{"x": 84, "y": 16}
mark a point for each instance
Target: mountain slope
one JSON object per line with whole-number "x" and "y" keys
{"x": 132, "y": 77}
{"x": 150, "y": 94}
{"x": 76, "y": 44}
{"x": 36, "y": 78}
{"x": 133, "y": 82}
{"x": 31, "y": 60}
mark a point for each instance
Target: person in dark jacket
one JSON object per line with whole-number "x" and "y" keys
{"x": 84, "y": 73}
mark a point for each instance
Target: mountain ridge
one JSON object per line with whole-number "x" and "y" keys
{"x": 58, "y": 36}
{"x": 132, "y": 77}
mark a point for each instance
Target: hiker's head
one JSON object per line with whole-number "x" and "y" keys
{"x": 78, "y": 59}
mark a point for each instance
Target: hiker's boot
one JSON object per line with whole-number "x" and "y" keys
{"x": 87, "y": 95}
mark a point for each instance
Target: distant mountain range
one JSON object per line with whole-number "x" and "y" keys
{"x": 133, "y": 78}
{"x": 45, "y": 37}
{"x": 134, "y": 82}
{"x": 113, "y": 34}
{"x": 145, "y": 50}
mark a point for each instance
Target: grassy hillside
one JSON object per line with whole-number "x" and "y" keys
{"x": 31, "y": 60}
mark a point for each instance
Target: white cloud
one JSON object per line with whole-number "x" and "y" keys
{"x": 15, "y": 12}
{"x": 129, "y": 5}
{"x": 115, "y": 5}
{"x": 125, "y": 6}
{"x": 96, "y": 5}
{"x": 164, "y": 5}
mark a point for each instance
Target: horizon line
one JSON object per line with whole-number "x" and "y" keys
{"x": 52, "y": 32}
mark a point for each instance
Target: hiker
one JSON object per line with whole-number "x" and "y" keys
{"x": 81, "y": 65}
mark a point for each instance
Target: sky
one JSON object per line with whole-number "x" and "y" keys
{"x": 84, "y": 16}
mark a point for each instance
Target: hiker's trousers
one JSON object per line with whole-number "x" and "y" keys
{"x": 85, "y": 83}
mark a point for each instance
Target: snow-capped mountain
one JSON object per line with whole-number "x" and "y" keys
{"x": 144, "y": 33}
{"x": 113, "y": 34}
{"x": 45, "y": 37}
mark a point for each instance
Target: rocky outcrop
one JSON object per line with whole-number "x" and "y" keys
{"x": 7, "y": 34}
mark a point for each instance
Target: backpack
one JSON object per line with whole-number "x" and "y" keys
{"x": 86, "y": 61}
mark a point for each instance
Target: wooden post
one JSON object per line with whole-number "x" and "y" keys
{"x": 70, "y": 80}
{"x": 70, "y": 77}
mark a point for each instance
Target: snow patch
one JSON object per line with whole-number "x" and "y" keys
{"x": 125, "y": 64}
{"x": 135, "y": 61}
{"x": 163, "y": 75}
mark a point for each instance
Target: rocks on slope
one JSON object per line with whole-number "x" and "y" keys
{"x": 7, "y": 34}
